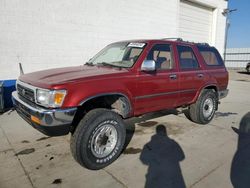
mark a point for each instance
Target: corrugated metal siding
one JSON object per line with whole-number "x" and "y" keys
{"x": 195, "y": 22}
{"x": 237, "y": 57}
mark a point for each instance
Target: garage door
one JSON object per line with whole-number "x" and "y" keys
{"x": 195, "y": 22}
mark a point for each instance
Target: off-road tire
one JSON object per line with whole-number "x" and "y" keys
{"x": 80, "y": 142}
{"x": 196, "y": 113}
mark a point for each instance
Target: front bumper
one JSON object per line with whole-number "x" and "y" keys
{"x": 52, "y": 122}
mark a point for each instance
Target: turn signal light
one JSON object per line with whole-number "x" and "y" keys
{"x": 35, "y": 120}
{"x": 58, "y": 99}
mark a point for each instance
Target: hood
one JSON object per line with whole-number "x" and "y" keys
{"x": 58, "y": 76}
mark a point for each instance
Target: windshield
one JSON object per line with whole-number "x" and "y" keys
{"x": 121, "y": 54}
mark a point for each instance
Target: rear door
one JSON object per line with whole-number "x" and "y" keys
{"x": 191, "y": 77}
{"x": 158, "y": 90}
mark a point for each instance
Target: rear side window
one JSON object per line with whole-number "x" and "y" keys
{"x": 211, "y": 56}
{"x": 187, "y": 58}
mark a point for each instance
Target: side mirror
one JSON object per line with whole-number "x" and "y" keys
{"x": 148, "y": 65}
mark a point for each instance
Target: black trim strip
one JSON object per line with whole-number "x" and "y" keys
{"x": 231, "y": 60}
{"x": 238, "y": 53}
{"x": 165, "y": 93}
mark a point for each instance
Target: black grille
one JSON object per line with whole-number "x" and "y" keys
{"x": 23, "y": 112}
{"x": 26, "y": 92}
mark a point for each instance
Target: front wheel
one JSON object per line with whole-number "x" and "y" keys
{"x": 98, "y": 139}
{"x": 203, "y": 110}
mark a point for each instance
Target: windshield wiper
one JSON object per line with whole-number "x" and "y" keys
{"x": 109, "y": 64}
{"x": 89, "y": 63}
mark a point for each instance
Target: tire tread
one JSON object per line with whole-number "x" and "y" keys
{"x": 194, "y": 112}
{"x": 82, "y": 127}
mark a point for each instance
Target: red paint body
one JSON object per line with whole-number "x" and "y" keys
{"x": 83, "y": 82}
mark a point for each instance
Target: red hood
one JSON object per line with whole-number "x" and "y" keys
{"x": 50, "y": 77}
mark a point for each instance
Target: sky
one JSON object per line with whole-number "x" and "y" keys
{"x": 239, "y": 30}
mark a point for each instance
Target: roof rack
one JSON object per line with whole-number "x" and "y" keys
{"x": 173, "y": 38}
{"x": 181, "y": 40}
{"x": 202, "y": 44}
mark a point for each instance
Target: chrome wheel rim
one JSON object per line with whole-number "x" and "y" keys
{"x": 104, "y": 141}
{"x": 208, "y": 108}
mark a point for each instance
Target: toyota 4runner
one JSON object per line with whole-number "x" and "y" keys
{"x": 125, "y": 79}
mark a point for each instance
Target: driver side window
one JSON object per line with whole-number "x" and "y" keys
{"x": 162, "y": 55}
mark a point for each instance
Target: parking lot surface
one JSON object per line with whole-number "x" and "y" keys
{"x": 164, "y": 150}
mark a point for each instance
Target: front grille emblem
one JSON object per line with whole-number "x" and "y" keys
{"x": 23, "y": 92}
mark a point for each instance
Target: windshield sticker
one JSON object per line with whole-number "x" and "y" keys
{"x": 136, "y": 44}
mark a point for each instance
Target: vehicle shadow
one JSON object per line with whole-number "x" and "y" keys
{"x": 244, "y": 72}
{"x": 141, "y": 121}
{"x": 224, "y": 114}
{"x": 162, "y": 155}
{"x": 240, "y": 168}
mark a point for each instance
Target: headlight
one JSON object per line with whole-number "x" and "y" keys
{"x": 50, "y": 98}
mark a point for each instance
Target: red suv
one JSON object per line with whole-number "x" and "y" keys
{"x": 125, "y": 79}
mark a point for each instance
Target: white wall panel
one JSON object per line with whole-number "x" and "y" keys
{"x": 45, "y": 34}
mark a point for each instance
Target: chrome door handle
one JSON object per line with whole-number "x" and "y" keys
{"x": 200, "y": 75}
{"x": 173, "y": 76}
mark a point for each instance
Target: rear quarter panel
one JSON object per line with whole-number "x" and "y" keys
{"x": 220, "y": 76}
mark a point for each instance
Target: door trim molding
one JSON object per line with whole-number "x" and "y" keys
{"x": 165, "y": 93}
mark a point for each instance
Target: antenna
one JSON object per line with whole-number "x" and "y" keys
{"x": 21, "y": 69}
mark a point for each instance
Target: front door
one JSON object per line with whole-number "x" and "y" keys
{"x": 157, "y": 90}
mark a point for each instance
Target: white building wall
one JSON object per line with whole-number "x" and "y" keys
{"x": 237, "y": 57}
{"x": 45, "y": 34}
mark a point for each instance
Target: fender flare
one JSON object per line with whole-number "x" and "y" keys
{"x": 128, "y": 101}
{"x": 198, "y": 93}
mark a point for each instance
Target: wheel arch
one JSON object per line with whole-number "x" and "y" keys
{"x": 212, "y": 86}
{"x": 209, "y": 86}
{"x": 117, "y": 102}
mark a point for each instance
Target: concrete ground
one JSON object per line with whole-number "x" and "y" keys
{"x": 190, "y": 154}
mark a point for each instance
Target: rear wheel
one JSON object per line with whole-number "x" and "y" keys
{"x": 203, "y": 110}
{"x": 98, "y": 139}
